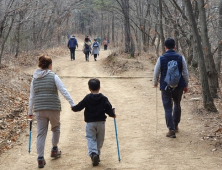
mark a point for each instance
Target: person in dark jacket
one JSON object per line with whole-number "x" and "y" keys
{"x": 96, "y": 105}
{"x": 172, "y": 115}
{"x": 87, "y": 48}
{"x": 72, "y": 44}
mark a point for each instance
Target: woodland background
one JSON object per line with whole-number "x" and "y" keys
{"x": 133, "y": 27}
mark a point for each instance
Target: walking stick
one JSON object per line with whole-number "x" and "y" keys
{"x": 117, "y": 142}
{"x": 30, "y": 136}
{"x": 156, "y": 112}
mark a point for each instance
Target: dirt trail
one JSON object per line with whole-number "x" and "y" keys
{"x": 141, "y": 148}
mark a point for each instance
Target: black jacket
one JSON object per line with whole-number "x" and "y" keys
{"x": 96, "y": 105}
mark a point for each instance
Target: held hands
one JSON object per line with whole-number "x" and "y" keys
{"x": 72, "y": 108}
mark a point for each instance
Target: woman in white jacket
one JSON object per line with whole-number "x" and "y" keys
{"x": 45, "y": 102}
{"x": 95, "y": 49}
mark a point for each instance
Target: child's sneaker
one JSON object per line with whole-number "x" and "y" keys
{"x": 95, "y": 159}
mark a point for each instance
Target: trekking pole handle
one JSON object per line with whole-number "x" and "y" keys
{"x": 30, "y": 125}
{"x": 114, "y": 110}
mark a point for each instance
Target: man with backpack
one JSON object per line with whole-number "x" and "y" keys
{"x": 173, "y": 72}
{"x": 72, "y": 44}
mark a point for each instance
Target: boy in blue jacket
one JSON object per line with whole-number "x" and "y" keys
{"x": 96, "y": 105}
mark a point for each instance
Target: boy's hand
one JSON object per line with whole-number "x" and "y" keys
{"x": 114, "y": 116}
{"x": 72, "y": 108}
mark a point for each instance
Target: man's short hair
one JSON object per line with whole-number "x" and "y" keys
{"x": 94, "y": 84}
{"x": 169, "y": 43}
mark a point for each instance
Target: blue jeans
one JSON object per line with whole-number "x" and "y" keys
{"x": 170, "y": 99}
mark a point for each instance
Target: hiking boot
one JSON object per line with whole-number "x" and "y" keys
{"x": 176, "y": 128}
{"x": 95, "y": 159}
{"x": 98, "y": 158}
{"x": 171, "y": 134}
{"x": 41, "y": 162}
{"x": 55, "y": 153}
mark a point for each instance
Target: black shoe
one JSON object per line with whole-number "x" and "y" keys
{"x": 95, "y": 159}
{"x": 171, "y": 134}
{"x": 176, "y": 129}
{"x": 41, "y": 162}
{"x": 98, "y": 158}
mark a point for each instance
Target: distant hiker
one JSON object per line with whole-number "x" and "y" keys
{"x": 95, "y": 49}
{"x": 96, "y": 105}
{"x": 172, "y": 116}
{"x": 87, "y": 48}
{"x": 105, "y": 43}
{"x": 72, "y": 44}
{"x": 45, "y": 102}
{"x": 89, "y": 39}
{"x": 98, "y": 40}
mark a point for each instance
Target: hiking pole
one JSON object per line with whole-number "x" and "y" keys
{"x": 156, "y": 112}
{"x": 30, "y": 135}
{"x": 117, "y": 142}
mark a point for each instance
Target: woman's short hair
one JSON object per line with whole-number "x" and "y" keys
{"x": 44, "y": 62}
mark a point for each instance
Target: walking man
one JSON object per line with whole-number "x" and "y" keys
{"x": 72, "y": 44}
{"x": 172, "y": 115}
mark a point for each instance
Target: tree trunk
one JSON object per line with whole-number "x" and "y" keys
{"x": 161, "y": 26}
{"x": 207, "y": 98}
{"x": 218, "y": 59}
{"x": 113, "y": 29}
{"x": 21, "y": 15}
{"x": 6, "y": 37}
{"x": 125, "y": 6}
{"x": 209, "y": 60}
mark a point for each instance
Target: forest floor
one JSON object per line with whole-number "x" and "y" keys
{"x": 140, "y": 120}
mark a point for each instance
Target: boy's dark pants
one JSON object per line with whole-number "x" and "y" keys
{"x": 72, "y": 53}
{"x": 95, "y": 133}
{"x": 170, "y": 98}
